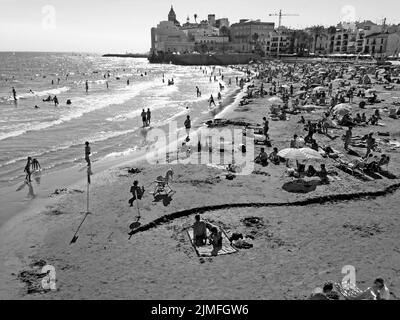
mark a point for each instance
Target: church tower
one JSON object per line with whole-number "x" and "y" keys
{"x": 172, "y": 15}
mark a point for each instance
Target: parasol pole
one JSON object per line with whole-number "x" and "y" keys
{"x": 75, "y": 237}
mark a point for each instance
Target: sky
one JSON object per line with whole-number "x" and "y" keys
{"x": 119, "y": 26}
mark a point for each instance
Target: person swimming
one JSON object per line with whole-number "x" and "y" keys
{"x": 48, "y": 99}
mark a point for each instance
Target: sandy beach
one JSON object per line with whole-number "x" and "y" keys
{"x": 300, "y": 240}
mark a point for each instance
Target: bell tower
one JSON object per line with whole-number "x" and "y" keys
{"x": 172, "y": 15}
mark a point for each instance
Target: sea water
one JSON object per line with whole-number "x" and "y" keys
{"x": 108, "y": 118}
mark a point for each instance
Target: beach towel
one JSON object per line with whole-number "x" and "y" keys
{"x": 206, "y": 250}
{"x": 347, "y": 292}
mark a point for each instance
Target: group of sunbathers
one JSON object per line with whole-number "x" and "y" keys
{"x": 332, "y": 291}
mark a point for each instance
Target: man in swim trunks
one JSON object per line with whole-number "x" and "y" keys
{"x": 144, "y": 118}
{"x": 148, "y": 117}
{"x": 14, "y": 93}
{"x": 28, "y": 170}
{"x": 199, "y": 231}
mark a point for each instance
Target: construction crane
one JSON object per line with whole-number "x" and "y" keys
{"x": 280, "y": 15}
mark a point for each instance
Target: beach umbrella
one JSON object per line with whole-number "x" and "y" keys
{"x": 275, "y": 100}
{"x": 300, "y": 154}
{"x": 319, "y": 89}
{"x": 342, "y": 109}
{"x": 308, "y": 107}
{"x": 370, "y": 91}
{"x": 381, "y": 71}
{"x": 300, "y": 92}
{"x": 285, "y": 86}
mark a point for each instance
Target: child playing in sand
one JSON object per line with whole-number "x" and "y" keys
{"x": 137, "y": 192}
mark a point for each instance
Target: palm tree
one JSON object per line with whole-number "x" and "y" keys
{"x": 195, "y": 17}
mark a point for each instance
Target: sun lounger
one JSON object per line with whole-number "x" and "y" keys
{"x": 206, "y": 250}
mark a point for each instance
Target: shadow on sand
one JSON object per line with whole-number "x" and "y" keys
{"x": 165, "y": 198}
{"x": 301, "y": 186}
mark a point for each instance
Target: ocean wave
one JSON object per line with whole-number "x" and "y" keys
{"x": 37, "y": 94}
{"x": 83, "y": 105}
{"x": 98, "y": 137}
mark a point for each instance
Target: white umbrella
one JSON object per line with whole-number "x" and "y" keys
{"x": 300, "y": 154}
{"x": 307, "y": 107}
{"x": 285, "y": 86}
{"x": 342, "y": 109}
{"x": 275, "y": 100}
{"x": 319, "y": 89}
{"x": 370, "y": 91}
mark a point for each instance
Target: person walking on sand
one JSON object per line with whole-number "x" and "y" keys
{"x": 137, "y": 192}
{"x": 265, "y": 127}
{"x": 86, "y": 86}
{"x": 198, "y": 92}
{"x": 144, "y": 118}
{"x": 219, "y": 96}
{"x": 188, "y": 125}
{"x": 148, "y": 117}
{"x": 27, "y": 169}
{"x": 211, "y": 101}
{"x": 347, "y": 138}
